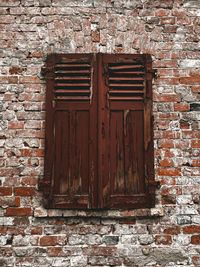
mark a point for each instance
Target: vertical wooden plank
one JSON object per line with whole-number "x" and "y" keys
{"x": 103, "y": 135}
{"x": 49, "y": 136}
{"x": 134, "y": 159}
{"x": 101, "y": 131}
{"x": 148, "y": 134}
{"x": 93, "y": 136}
{"x": 80, "y": 163}
{"x": 116, "y": 153}
{"x": 72, "y": 145}
{"x": 61, "y": 152}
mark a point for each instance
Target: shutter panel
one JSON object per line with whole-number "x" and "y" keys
{"x": 127, "y": 143}
{"x": 71, "y": 145}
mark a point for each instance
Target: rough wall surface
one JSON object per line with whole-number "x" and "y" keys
{"x": 169, "y": 31}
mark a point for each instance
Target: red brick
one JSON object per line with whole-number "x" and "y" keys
{"x": 99, "y": 251}
{"x": 184, "y": 125}
{"x": 168, "y": 116}
{"x": 29, "y": 79}
{"x": 15, "y": 125}
{"x": 196, "y": 260}
{"x": 48, "y": 241}
{"x": 34, "y": 97}
{"x": 166, "y": 163}
{"x": 190, "y": 80}
{"x": 37, "y": 230}
{"x": 195, "y": 143}
{"x": 196, "y": 89}
{"x": 182, "y": 144}
{"x": 162, "y": 12}
{"x": 170, "y": 28}
{"x": 184, "y": 20}
{"x": 168, "y": 20}
{"x": 167, "y": 81}
{"x": 166, "y": 144}
{"x": 34, "y": 152}
{"x": 18, "y": 212}
{"x": 168, "y": 200}
{"x": 191, "y": 134}
{"x": 29, "y": 181}
{"x": 21, "y": 221}
{"x": 9, "y": 79}
{"x": 24, "y": 191}
{"x": 5, "y": 191}
{"x": 9, "y": 201}
{"x": 171, "y": 190}
{"x": 9, "y": 172}
{"x": 163, "y": 239}
{"x": 167, "y": 63}
{"x": 127, "y": 221}
{"x": 163, "y": 125}
{"x": 95, "y": 36}
{"x": 36, "y": 54}
{"x": 164, "y": 72}
{"x": 56, "y": 252}
{"x": 167, "y": 98}
{"x": 195, "y": 239}
{"x": 181, "y": 107}
{"x": 32, "y": 124}
{"x": 3, "y": 230}
{"x": 174, "y": 230}
{"x": 170, "y": 135}
{"x": 15, "y": 70}
{"x": 16, "y": 230}
{"x": 192, "y": 229}
{"x": 196, "y": 163}
{"x": 168, "y": 181}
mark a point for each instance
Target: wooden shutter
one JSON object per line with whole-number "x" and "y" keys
{"x": 71, "y": 132}
{"x": 126, "y": 157}
{"x": 99, "y": 141}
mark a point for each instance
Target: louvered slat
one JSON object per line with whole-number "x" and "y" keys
{"x": 72, "y": 81}
{"x": 126, "y": 81}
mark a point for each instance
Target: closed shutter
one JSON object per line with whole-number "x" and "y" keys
{"x": 126, "y": 153}
{"x": 99, "y": 141}
{"x": 71, "y": 145}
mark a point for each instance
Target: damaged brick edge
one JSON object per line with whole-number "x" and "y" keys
{"x": 115, "y": 214}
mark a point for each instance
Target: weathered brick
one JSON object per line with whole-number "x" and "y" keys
{"x": 24, "y": 191}
{"x": 166, "y": 163}
{"x": 18, "y": 212}
{"x": 169, "y": 171}
{"x": 163, "y": 239}
{"x": 195, "y": 143}
{"x": 166, "y": 144}
{"x": 5, "y": 191}
{"x": 190, "y": 80}
{"x": 181, "y": 107}
{"x": 48, "y": 241}
{"x": 195, "y": 239}
{"x": 173, "y": 230}
{"x": 15, "y": 125}
{"x": 9, "y": 201}
{"x": 192, "y": 229}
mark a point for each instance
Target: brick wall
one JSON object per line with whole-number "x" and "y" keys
{"x": 168, "y": 235}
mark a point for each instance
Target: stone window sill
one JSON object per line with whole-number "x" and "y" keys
{"x": 118, "y": 214}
